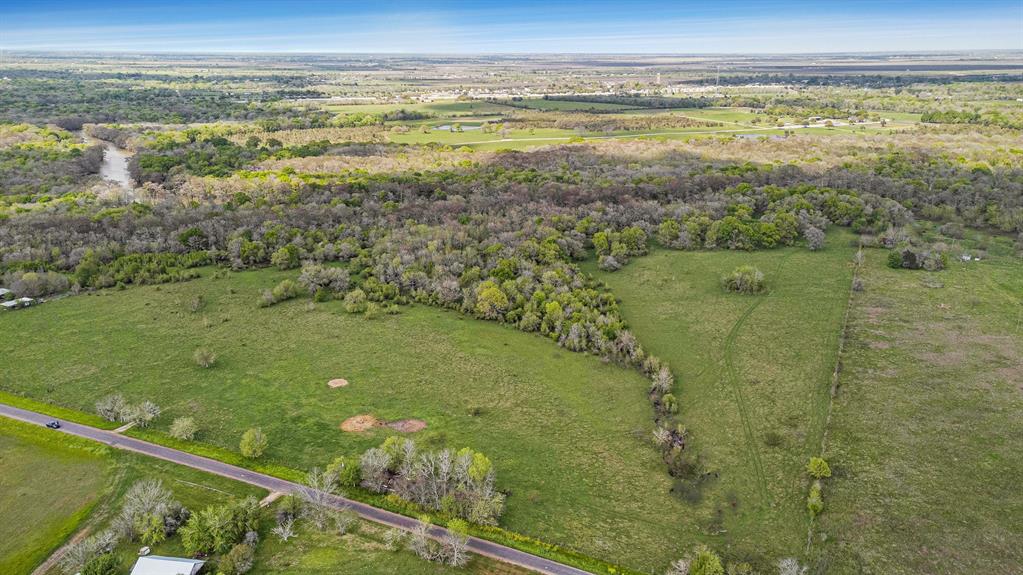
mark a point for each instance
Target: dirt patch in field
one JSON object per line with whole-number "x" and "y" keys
{"x": 880, "y": 345}
{"x": 407, "y": 425}
{"x": 366, "y": 422}
{"x": 337, "y": 383}
{"x": 360, "y": 423}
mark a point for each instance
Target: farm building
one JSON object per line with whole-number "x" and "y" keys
{"x": 5, "y": 293}
{"x": 156, "y": 565}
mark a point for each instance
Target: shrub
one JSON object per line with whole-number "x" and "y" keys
{"x": 328, "y": 279}
{"x": 183, "y": 428}
{"x": 253, "y": 443}
{"x": 204, "y": 358}
{"x": 105, "y": 564}
{"x": 814, "y": 501}
{"x": 355, "y": 301}
{"x": 818, "y": 468}
{"x": 894, "y": 260}
{"x": 744, "y": 279}
{"x": 702, "y": 561}
{"x": 609, "y": 264}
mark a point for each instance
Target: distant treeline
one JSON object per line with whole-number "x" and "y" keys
{"x": 657, "y": 102}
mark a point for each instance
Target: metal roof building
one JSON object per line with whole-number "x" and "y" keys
{"x": 157, "y": 565}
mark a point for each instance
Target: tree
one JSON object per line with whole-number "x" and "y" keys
{"x": 491, "y": 302}
{"x": 253, "y": 443}
{"x": 316, "y": 496}
{"x": 105, "y": 564}
{"x": 184, "y": 428}
{"x": 818, "y": 468}
{"x": 814, "y": 238}
{"x": 237, "y": 561}
{"x": 456, "y": 542}
{"x": 662, "y": 381}
{"x": 286, "y": 257}
{"x": 285, "y": 528}
{"x": 111, "y": 407}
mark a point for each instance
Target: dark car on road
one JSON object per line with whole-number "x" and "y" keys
{"x": 53, "y": 425}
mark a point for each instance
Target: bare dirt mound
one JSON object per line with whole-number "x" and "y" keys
{"x": 366, "y": 422}
{"x": 407, "y": 425}
{"x": 337, "y": 383}
{"x": 359, "y": 423}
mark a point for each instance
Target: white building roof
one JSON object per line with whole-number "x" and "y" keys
{"x": 156, "y": 565}
{"x": 4, "y": 291}
{"x": 12, "y": 303}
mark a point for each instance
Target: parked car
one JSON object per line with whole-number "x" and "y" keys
{"x": 53, "y": 424}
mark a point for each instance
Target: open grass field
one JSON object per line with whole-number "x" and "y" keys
{"x": 568, "y": 105}
{"x": 65, "y": 485}
{"x": 569, "y": 435}
{"x": 362, "y": 551}
{"x": 927, "y": 429}
{"x": 752, "y": 376}
{"x": 76, "y": 485}
{"x": 440, "y": 108}
{"x": 46, "y": 490}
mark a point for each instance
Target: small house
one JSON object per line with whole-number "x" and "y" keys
{"x": 157, "y": 565}
{"x": 5, "y": 293}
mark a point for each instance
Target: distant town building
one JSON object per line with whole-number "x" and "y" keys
{"x": 157, "y": 565}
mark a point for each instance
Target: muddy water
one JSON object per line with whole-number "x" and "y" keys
{"x": 115, "y": 163}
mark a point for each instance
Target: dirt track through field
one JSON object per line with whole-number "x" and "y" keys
{"x": 740, "y": 400}
{"x": 732, "y": 376}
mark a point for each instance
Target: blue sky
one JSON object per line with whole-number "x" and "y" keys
{"x": 512, "y": 26}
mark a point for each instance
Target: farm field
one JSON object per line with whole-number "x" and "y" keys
{"x": 568, "y": 434}
{"x": 926, "y": 432}
{"x": 752, "y": 376}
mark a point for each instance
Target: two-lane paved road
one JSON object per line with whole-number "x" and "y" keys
{"x": 479, "y": 546}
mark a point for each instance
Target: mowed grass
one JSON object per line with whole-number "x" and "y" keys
{"x": 752, "y": 377}
{"x": 45, "y": 492}
{"x": 569, "y": 435}
{"x": 927, "y": 429}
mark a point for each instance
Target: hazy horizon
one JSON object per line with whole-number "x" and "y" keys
{"x": 783, "y": 27}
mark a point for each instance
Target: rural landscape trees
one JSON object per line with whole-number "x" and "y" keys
{"x": 708, "y": 249}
